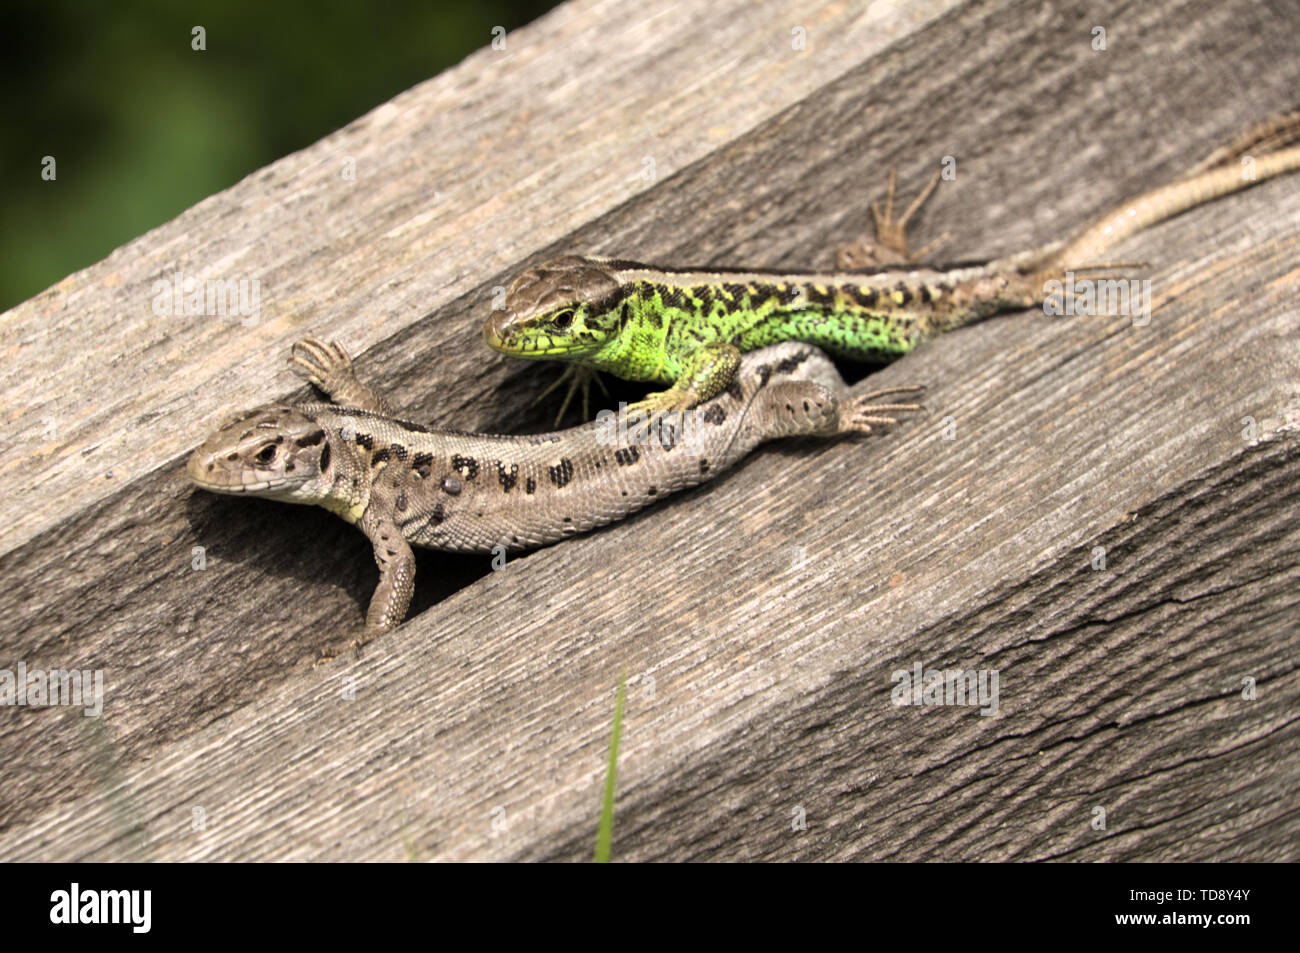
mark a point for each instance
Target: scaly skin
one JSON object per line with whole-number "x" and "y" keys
{"x": 692, "y": 326}
{"x": 403, "y": 484}
{"x": 689, "y": 326}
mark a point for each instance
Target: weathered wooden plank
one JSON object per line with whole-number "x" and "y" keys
{"x": 453, "y": 181}
{"x": 771, "y": 609}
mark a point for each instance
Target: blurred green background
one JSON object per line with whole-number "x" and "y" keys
{"x": 141, "y": 126}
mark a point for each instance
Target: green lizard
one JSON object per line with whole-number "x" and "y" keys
{"x": 689, "y": 326}
{"x": 403, "y": 484}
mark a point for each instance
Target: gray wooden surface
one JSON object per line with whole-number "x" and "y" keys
{"x": 758, "y": 620}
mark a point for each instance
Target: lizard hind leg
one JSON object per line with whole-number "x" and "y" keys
{"x": 863, "y": 413}
{"x": 890, "y": 246}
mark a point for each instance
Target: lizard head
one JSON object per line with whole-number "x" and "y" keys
{"x": 565, "y": 308}
{"x": 274, "y": 451}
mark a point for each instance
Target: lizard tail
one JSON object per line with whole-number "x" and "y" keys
{"x": 1261, "y": 152}
{"x": 1268, "y": 135}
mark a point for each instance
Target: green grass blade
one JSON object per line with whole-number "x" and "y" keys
{"x": 605, "y": 833}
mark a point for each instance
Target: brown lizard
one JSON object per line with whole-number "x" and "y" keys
{"x": 403, "y": 484}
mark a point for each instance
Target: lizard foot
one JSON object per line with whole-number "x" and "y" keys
{"x": 863, "y": 413}
{"x": 579, "y": 378}
{"x": 890, "y": 246}
{"x": 365, "y": 638}
{"x": 331, "y": 652}
{"x": 328, "y": 366}
{"x": 661, "y": 403}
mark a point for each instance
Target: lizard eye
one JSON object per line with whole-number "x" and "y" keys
{"x": 266, "y": 455}
{"x": 563, "y": 319}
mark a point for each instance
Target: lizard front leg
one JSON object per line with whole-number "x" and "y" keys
{"x": 579, "y": 378}
{"x": 329, "y": 367}
{"x": 396, "y": 578}
{"x": 708, "y": 372}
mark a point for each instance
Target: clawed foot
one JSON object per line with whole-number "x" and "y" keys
{"x": 328, "y": 366}
{"x": 663, "y": 402}
{"x": 890, "y": 246}
{"x": 864, "y": 413}
{"x": 330, "y": 654}
{"x": 368, "y": 635}
{"x": 326, "y": 655}
{"x": 579, "y": 378}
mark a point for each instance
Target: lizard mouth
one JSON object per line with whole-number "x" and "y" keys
{"x": 502, "y": 332}
{"x": 207, "y": 473}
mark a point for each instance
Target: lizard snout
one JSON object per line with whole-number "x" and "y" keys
{"x": 197, "y": 465}
{"x": 497, "y": 326}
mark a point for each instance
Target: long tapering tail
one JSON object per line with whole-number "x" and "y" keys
{"x": 1220, "y": 173}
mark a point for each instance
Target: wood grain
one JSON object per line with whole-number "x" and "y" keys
{"x": 758, "y": 620}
